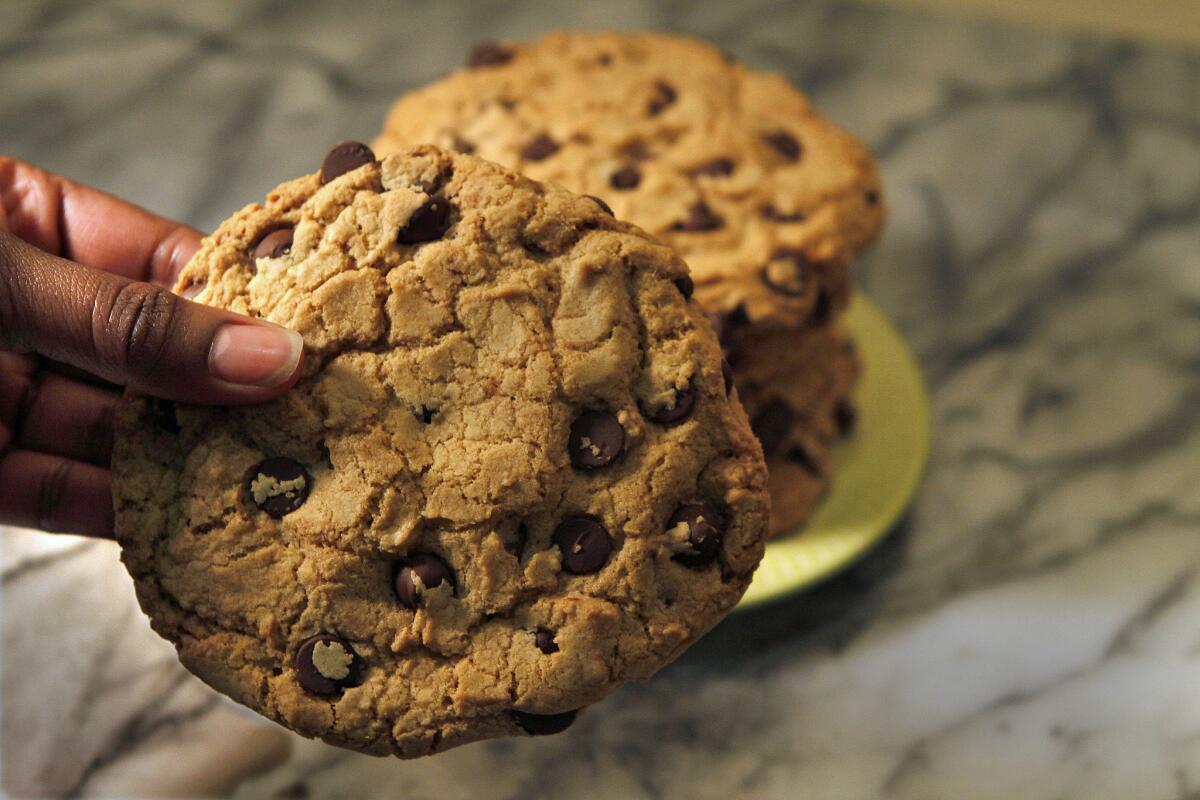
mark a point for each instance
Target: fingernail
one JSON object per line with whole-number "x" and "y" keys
{"x": 254, "y": 354}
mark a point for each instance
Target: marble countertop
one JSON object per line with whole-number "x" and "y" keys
{"x": 1032, "y": 630}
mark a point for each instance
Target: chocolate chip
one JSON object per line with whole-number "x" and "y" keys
{"x": 787, "y": 272}
{"x": 596, "y": 440}
{"x": 540, "y": 147}
{"x": 489, "y": 54}
{"x": 700, "y": 218}
{"x": 634, "y": 150}
{"x": 325, "y": 665}
{"x": 727, "y": 374}
{"x": 665, "y": 95}
{"x": 278, "y": 485}
{"x": 605, "y": 207}
{"x": 627, "y": 177}
{"x": 725, "y": 323}
{"x": 775, "y": 215}
{"x": 162, "y": 412}
{"x": 584, "y": 542}
{"x": 544, "y": 640}
{"x": 424, "y": 413}
{"x": 604, "y": 59}
{"x": 429, "y": 569}
{"x": 460, "y": 145}
{"x": 427, "y": 223}
{"x": 872, "y": 197}
{"x": 685, "y": 400}
{"x": 784, "y": 143}
{"x": 274, "y": 244}
{"x": 771, "y": 425}
{"x": 801, "y": 456}
{"x": 686, "y": 286}
{"x": 715, "y": 168}
{"x": 544, "y": 724}
{"x": 344, "y": 157}
{"x": 845, "y": 415}
{"x": 705, "y": 532}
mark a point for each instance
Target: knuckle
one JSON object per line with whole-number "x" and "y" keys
{"x": 135, "y": 323}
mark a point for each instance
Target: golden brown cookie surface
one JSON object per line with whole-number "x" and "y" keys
{"x": 765, "y": 200}
{"x": 509, "y": 479}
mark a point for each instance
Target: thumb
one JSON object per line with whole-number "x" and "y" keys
{"x": 139, "y": 335}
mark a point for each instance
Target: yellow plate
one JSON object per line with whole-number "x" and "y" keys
{"x": 876, "y": 470}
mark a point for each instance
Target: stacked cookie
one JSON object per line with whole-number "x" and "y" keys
{"x": 767, "y": 203}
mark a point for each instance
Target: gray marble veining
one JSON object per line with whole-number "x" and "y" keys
{"x": 1032, "y": 630}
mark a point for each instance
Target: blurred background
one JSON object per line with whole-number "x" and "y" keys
{"x": 1031, "y": 629}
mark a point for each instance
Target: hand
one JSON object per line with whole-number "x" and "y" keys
{"x": 83, "y": 311}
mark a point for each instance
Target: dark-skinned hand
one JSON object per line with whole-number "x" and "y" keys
{"x": 84, "y": 311}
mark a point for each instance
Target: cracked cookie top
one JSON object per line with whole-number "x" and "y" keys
{"x": 509, "y": 478}
{"x": 765, "y": 200}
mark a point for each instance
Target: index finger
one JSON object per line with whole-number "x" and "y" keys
{"x": 91, "y": 227}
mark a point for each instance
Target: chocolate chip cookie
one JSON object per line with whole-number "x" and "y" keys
{"x": 765, "y": 200}
{"x": 795, "y": 387}
{"x": 509, "y": 479}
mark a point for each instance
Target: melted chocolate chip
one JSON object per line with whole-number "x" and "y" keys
{"x": 727, "y": 375}
{"x": 686, "y": 286}
{"x": 771, "y": 425}
{"x": 584, "y": 543}
{"x": 596, "y": 440}
{"x": 787, "y": 272}
{"x": 274, "y": 244}
{"x": 427, "y": 223}
{"x": 162, "y": 413}
{"x": 429, "y": 569}
{"x": 725, "y": 323}
{"x": 872, "y": 197}
{"x": 344, "y": 157}
{"x": 604, "y": 59}
{"x": 715, "y": 168}
{"x": 540, "y": 147}
{"x": 775, "y": 215}
{"x": 544, "y": 640}
{"x": 489, "y": 54}
{"x": 801, "y": 456}
{"x": 685, "y": 400}
{"x": 664, "y": 96}
{"x": 325, "y": 665}
{"x": 543, "y": 724}
{"x": 605, "y": 207}
{"x": 784, "y": 143}
{"x": 278, "y": 485}
{"x": 460, "y": 145}
{"x": 845, "y": 415}
{"x": 627, "y": 177}
{"x": 705, "y": 531}
{"x": 634, "y": 150}
{"x": 700, "y": 218}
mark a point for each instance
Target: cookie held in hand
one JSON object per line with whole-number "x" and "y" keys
{"x": 476, "y": 511}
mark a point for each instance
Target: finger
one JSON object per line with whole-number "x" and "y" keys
{"x": 67, "y": 418}
{"x": 55, "y": 494}
{"x": 139, "y": 335}
{"x": 77, "y": 374}
{"x": 86, "y": 225}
